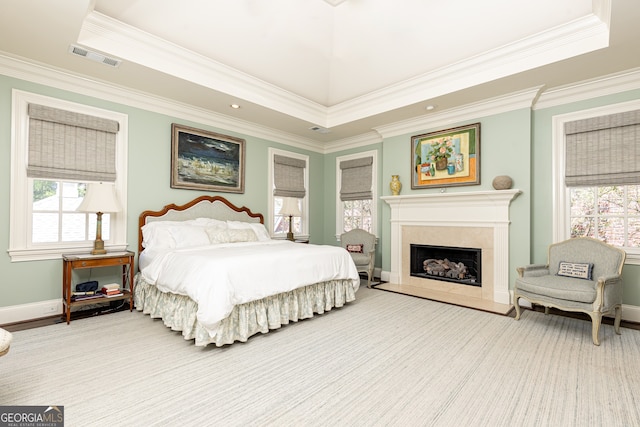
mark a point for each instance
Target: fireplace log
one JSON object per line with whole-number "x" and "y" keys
{"x": 446, "y": 268}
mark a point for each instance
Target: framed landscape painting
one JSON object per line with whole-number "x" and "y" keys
{"x": 446, "y": 158}
{"x": 202, "y": 160}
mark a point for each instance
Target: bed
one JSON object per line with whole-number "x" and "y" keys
{"x": 210, "y": 270}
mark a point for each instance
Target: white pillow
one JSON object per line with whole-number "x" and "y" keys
{"x": 238, "y": 225}
{"x": 156, "y": 235}
{"x": 187, "y": 235}
{"x": 261, "y": 231}
{"x": 209, "y": 222}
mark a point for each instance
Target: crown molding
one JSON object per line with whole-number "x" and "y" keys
{"x": 357, "y": 141}
{"x": 562, "y": 42}
{"x": 474, "y": 111}
{"x": 601, "y": 86}
{"x": 27, "y": 70}
{"x": 577, "y": 37}
{"x": 124, "y": 41}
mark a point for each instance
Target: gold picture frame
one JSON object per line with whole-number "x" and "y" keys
{"x": 446, "y": 158}
{"x": 207, "y": 161}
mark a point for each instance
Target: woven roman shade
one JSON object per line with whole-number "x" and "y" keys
{"x": 603, "y": 150}
{"x": 66, "y": 145}
{"x": 356, "y": 179}
{"x": 288, "y": 176}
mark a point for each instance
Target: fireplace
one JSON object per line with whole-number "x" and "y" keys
{"x": 478, "y": 219}
{"x": 449, "y": 264}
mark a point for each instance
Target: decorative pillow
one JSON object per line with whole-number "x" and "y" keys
{"x": 575, "y": 269}
{"x": 242, "y": 235}
{"x": 187, "y": 236}
{"x": 218, "y": 235}
{"x": 357, "y": 249}
{"x": 258, "y": 228}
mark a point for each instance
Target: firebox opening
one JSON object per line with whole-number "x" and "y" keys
{"x": 446, "y": 263}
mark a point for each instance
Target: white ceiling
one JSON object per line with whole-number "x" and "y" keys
{"x": 348, "y": 66}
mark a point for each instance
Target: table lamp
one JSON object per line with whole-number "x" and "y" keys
{"x": 99, "y": 198}
{"x": 290, "y": 208}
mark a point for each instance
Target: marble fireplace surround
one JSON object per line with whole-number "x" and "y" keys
{"x": 469, "y": 219}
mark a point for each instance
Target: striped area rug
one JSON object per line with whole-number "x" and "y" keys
{"x": 385, "y": 359}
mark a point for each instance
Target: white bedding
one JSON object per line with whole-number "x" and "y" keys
{"x": 217, "y": 277}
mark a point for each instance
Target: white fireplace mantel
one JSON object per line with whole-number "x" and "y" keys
{"x": 486, "y": 209}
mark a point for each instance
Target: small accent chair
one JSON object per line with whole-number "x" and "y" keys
{"x": 361, "y": 245}
{"x": 582, "y": 275}
{"x": 5, "y": 341}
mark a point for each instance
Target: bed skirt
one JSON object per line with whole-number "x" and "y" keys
{"x": 178, "y": 312}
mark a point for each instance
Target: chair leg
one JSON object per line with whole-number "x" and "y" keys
{"x": 596, "y": 320}
{"x": 517, "y": 306}
{"x": 616, "y": 322}
{"x": 546, "y": 310}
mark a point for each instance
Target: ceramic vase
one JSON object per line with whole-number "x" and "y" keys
{"x": 395, "y": 185}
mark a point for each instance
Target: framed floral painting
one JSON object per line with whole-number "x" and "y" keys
{"x": 446, "y": 158}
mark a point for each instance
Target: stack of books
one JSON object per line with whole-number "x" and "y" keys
{"x": 111, "y": 290}
{"x": 81, "y": 296}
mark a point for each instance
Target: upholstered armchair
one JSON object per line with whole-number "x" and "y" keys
{"x": 582, "y": 275}
{"x": 361, "y": 245}
{"x": 5, "y": 341}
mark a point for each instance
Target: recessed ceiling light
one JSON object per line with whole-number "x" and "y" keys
{"x": 430, "y": 107}
{"x": 235, "y": 106}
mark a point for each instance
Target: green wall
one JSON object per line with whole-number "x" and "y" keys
{"x": 504, "y": 150}
{"x": 149, "y": 170}
{"x": 515, "y": 143}
{"x": 541, "y": 204}
{"x": 329, "y": 211}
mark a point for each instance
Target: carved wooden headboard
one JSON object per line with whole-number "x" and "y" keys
{"x": 202, "y": 207}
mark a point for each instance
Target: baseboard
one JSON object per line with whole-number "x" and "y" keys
{"x": 631, "y": 313}
{"x": 31, "y": 311}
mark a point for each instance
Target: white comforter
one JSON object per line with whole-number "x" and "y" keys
{"x": 217, "y": 277}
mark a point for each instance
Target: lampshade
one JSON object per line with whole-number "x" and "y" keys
{"x": 290, "y": 207}
{"x": 100, "y": 197}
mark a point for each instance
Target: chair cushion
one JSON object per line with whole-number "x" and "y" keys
{"x": 360, "y": 259}
{"x": 565, "y": 288}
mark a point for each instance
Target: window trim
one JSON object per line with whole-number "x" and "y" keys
{"x": 20, "y": 199}
{"x": 374, "y": 190}
{"x": 561, "y": 200}
{"x": 305, "y": 201}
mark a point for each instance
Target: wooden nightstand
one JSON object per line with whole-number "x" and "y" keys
{"x": 110, "y": 259}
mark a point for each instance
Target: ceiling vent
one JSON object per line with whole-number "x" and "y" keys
{"x": 319, "y": 129}
{"x": 94, "y": 56}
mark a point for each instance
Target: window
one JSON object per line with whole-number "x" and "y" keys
{"x": 44, "y": 222}
{"x": 356, "y": 192}
{"x": 288, "y": 178}
{"x": 596, "y": 195}
{"x": 610, "y": 214}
